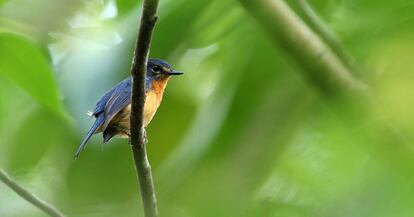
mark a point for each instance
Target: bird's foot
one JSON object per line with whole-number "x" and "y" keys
{"x": 144, "y": 136}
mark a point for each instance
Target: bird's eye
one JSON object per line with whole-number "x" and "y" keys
{"x": 156, "y": 69}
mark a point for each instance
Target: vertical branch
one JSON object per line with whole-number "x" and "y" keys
{"x": 29, "y": 197}
{"x": 138, "y": 140}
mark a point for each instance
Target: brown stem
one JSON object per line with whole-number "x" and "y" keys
{"x": 138, "y": 71}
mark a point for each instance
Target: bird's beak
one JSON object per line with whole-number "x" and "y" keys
{"x": 173, "y": 72}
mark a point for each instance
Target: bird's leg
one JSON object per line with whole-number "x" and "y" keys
{"x": 145, "y": 138}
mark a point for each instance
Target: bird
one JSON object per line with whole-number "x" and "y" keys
{"x": 113, "y": 109}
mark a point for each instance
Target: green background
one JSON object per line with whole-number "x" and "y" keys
{"x": 241, "y": 134}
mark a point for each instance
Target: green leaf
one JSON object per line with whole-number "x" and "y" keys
{"x": 22, "y": 63}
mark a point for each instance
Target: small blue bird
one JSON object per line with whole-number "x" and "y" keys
{"x": 113, "y": 109}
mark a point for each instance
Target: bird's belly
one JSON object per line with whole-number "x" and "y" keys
{"x": 121, "y": 121}
{"x": 120, "y": 124}
{"x": 152, "y": 102}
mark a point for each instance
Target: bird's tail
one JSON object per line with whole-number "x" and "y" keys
{"x": 91, "y": 131}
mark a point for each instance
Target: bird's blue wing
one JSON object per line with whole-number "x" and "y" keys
{"x": 120, "y": 98}
{"x": 100, "y": 105}
{"x": 102, "y": 102}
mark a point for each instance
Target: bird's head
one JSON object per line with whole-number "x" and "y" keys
{"x": 158, "y": 69}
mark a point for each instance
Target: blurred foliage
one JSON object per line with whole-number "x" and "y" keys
{"x": 22, "y": 63}
{"x": 240, "y": 134}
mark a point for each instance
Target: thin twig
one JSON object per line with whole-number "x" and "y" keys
{"x": 31, "y": 198}
{"x": 321, "y": 64}
{"x": 138, "y": 142}
{"x": 328, "y": 35}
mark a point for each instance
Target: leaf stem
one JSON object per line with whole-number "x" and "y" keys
{"x": 318, "y": 60}
{"x": 320, "y": 27}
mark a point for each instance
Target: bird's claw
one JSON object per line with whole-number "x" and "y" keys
{"x": 145, "y": 137}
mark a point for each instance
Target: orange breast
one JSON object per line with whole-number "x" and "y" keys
{"x": 152, "y": 102}
{"x": 153, "y": 99}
